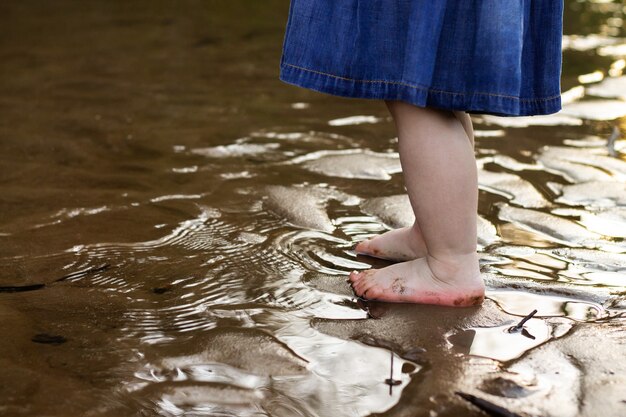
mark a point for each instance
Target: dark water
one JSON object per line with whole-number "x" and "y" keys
{"x": 176, "y": 226}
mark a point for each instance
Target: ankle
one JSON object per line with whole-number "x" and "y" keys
{"x": 456, "y": 268}
{"x": 416, "y": 241}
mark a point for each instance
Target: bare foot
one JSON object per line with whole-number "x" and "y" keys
{"x": 397, "y": 245}
{"x": 424, "y": 280}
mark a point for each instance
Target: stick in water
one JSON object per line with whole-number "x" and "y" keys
{"x": 524, "y": 320}
{"x": 390, "y": 381}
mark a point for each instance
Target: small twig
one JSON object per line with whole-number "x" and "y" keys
{"x": 524, "y": 320}
{"x": 390, "y": 381}
{"x": 487, "y": 406}
{"x": 391, "y": 374}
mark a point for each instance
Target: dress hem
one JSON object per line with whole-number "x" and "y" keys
{"x": 421, "y": 96}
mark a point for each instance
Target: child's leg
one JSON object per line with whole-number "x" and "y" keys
{"x": 466, "y": 121}
{"x": 441, "y": 180}
{"x": 406, "y": 243}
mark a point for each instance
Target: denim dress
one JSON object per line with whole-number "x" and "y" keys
{"x": 500, "y": 57}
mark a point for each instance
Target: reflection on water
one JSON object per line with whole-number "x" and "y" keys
{"x": 177, "y": 224}
{"x": 501, "y": 342}
{"x": 547, "y": 305}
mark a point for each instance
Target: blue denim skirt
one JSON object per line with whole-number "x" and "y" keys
{"x": 500, "y": 57}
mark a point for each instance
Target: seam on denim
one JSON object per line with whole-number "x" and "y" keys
{"x": 419, "y": 87}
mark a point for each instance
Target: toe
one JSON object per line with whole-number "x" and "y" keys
{"x": 363, "y": 247}
{"x": 362, "y": 286}
{"x": 355, "y": 276}
{"x": 357, "y": 291}
{"x": 367, "y": 286}
{"x": 372, "y": 293}
{"x": 358, "y": 287}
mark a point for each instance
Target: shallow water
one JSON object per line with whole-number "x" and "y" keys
{"x": 177, "y": 226}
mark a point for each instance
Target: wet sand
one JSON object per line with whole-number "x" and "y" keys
{"x": 177, "y": 229}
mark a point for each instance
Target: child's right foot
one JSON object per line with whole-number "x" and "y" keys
{"x": 397, "y": 245}
{"x": 426, "y": 280}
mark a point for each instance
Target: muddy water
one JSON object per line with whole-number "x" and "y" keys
{"x": 176, "y": 228}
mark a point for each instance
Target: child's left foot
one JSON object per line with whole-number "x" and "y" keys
{"x": 396, "y": 245}
{"x": 457, "y": 283}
